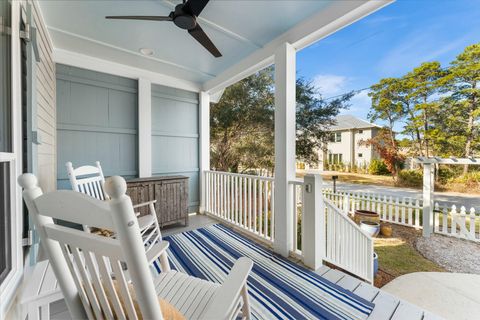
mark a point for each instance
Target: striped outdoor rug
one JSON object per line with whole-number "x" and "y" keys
{"x": 278, "y": 288}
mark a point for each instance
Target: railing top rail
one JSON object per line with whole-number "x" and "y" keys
{"x": 350, "y": 221}
{"x": 241, "y": 175}
{"x": 297, "y": 182}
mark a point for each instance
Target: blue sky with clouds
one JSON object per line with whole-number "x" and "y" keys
{"x": 389, "y": 43}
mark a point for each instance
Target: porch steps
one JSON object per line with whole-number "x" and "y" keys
{"x": 387, "y": 306}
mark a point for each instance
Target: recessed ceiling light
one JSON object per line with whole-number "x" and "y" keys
{"x": 147, "y": 51}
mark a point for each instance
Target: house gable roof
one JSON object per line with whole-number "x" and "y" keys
{"x": 347, "y": 122}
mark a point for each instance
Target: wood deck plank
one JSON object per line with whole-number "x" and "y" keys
{"x": 366, "y": 291}
{"x": 430, "y": 316}
{"x": 385, "y": 306}
{"x": 349, "y": 283}
{"x": 407, "y": 310}
{"x": 322, "y": 270}
{"x": 333, "y": 275}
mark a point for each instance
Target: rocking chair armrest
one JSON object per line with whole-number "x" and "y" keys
{"x": 225, "y": 300}
{"x": 157, "y": 250}
{"x": 143, "y": 204}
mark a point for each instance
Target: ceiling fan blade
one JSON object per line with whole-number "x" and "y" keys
{"x": 149, "y": 18}
{"x": 195, "y": 7}
{"x": 204, "y": 40}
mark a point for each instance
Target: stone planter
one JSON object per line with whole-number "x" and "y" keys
{"x": 386, "y": 230}
{"x": 365, "y": 215}
{"x": 370, "y": 227}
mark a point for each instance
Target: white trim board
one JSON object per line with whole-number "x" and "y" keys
{"x": 338, "y": 15}
{"x": 96, "y": 64}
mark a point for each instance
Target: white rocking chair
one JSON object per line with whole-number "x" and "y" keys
{"x": 90, "y": 180}
{"x": 80, "y": 261}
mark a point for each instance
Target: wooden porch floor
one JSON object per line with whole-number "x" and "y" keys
{"x": 387, "y": 306}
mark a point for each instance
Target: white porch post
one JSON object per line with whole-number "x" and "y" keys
{"x": 285, "y": 78}
{"x": 204, "y": 119}
{"x": 313, "y": 224}
{"x": 428, "y": 187}
{"x": 144, "y": 128}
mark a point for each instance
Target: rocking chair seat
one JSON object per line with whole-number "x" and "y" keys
{"x": 146, "y": 221}
{"x": 187, "y": 294}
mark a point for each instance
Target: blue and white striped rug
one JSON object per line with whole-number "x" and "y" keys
{"x": 278, "y": 288}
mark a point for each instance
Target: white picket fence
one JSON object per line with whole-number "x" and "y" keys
{"x": 407, "y": 211}
{"x": 244, "y": 201}
{"x": 457, "y": 223}
{"x": 347, "y": 245}
{"x": 404, "y": 211}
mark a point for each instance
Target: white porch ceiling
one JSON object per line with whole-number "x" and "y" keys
{"x": 238, "y": 28}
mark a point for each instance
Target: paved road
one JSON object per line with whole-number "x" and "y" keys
{"x": 449, "y": 198}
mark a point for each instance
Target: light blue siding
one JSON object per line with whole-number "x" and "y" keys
{"x": 96, "y": 120}
{"x": 175, "y": 137}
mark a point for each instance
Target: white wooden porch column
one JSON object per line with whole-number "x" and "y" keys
{"x": 204, "y": 119}
{"x": 285, "y": 78}
{"x": 313, "y": 224}
{"x": 428, "y": 188}
{"x": 144, "y": 128}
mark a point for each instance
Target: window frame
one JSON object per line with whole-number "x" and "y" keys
{"x": 12, "y": 281}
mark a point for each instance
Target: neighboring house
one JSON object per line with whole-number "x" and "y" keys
{"x": 344, "y": 145}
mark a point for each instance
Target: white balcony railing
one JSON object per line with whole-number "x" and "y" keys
{"x": 321, "y": 231}
{"x": 244, "y": 201}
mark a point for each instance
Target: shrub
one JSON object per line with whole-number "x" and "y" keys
{"x": 469, "y": 179}
{"x": 378, "y": 167}
{"x": 410, "y": 178}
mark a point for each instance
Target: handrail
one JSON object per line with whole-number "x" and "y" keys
{"x": 347, "y": 245}
{"x": 241, "y": 175}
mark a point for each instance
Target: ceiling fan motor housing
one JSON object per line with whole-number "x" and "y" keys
{"x": 182, "y": 19}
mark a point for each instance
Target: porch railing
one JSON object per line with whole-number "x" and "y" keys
{"x": 345, "y": 244}
{"x": 348, "y": 247}
{"x": 244, "y": 201}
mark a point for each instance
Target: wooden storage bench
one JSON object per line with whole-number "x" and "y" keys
{"x": 171, "y": 193}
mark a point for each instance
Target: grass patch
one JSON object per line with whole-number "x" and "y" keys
{"x": 396, "y": 257}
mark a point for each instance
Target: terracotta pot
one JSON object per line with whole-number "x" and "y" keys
{"x": 365, "y": 215}
{"x": 386, "y": 230}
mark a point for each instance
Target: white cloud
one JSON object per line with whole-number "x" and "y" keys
{"x": 330, "y": 84}
{"x": 359, "y": 105}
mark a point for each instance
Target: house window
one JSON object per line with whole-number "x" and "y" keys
{"x": 360, "y": 155}
{"x": 360, "y": 131}
{"x": 335, "y": 158}
{"x": 338, "y": 137}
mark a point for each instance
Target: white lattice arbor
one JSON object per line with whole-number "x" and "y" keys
{"x": 429, "y": 185}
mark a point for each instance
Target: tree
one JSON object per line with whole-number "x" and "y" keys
{"x": 242, "y": 123}
{"x": 463, "y": 81}
{"x": 387, "y": 103}
{"x": 244, "y": 111}
{"x": 314, "y": 117}
{"x": 423, "y": 83}
{"x": 387, "y": 150}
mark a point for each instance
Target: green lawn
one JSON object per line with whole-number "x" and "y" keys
{"x": 397, "y": 257}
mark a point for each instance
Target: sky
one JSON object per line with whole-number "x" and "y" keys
{"x": 389, "y": 43}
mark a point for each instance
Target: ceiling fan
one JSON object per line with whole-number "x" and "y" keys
{"x": 185, "y": 17}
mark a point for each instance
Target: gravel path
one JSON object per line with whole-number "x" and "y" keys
{"x": 455, "y": 255}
